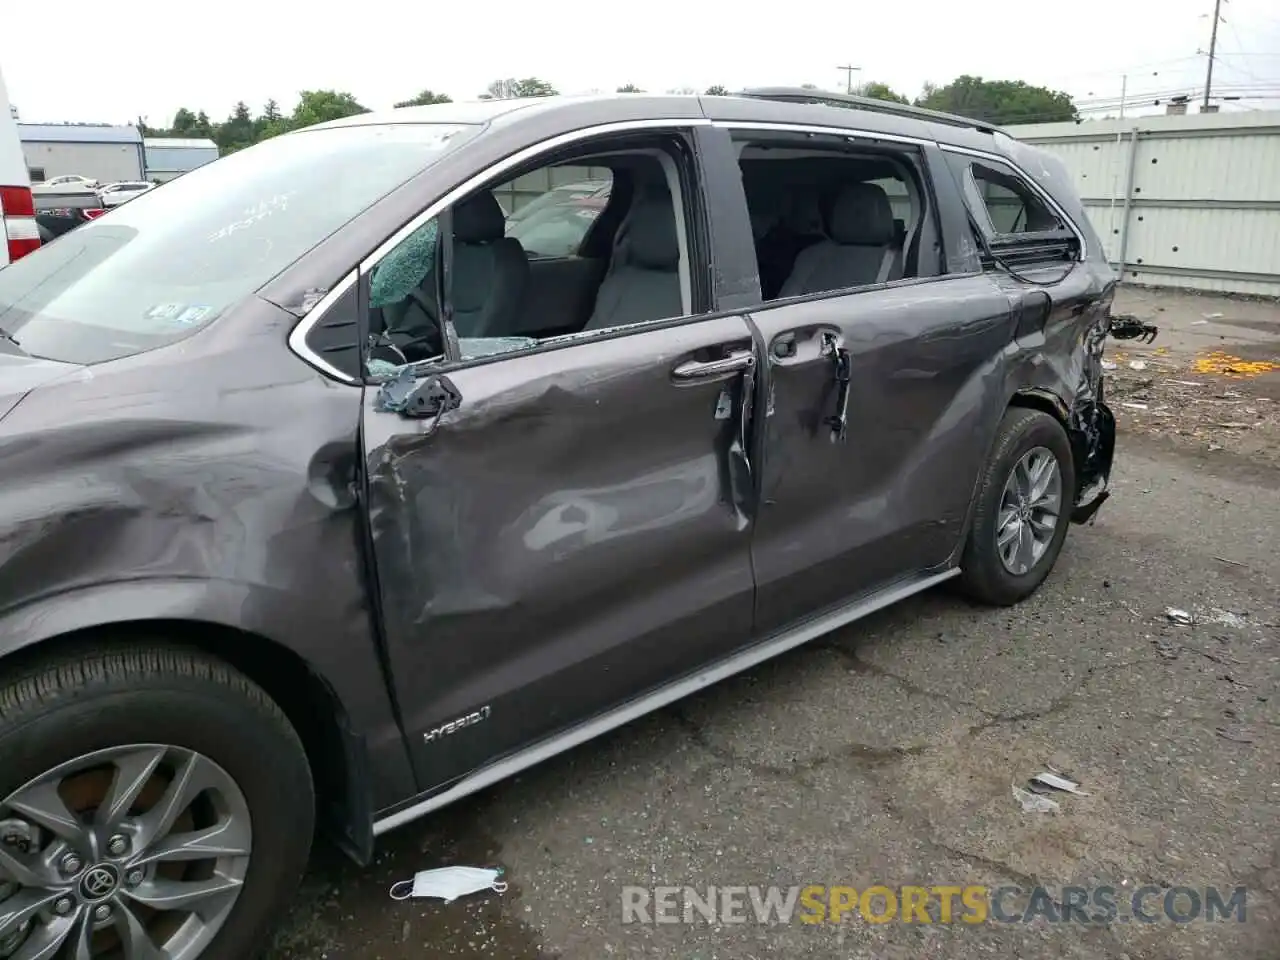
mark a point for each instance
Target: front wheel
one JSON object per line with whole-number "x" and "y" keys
{"x": 1025, "y": 496}
{"x": 154, "y": 805}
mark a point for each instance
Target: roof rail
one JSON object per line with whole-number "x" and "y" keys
{"x": 806, "y": 95}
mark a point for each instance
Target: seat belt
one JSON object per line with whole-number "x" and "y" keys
{"x": 886, "y": 264}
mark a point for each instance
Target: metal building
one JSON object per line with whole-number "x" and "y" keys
{"x": 102, "y": 152}
{"x": 1180, "y": 200}
{"x": 169, "y": 157}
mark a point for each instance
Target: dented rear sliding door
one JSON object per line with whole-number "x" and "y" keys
{"x": 876, "y": 400}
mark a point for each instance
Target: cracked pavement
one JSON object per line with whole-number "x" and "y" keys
{"x": 885, "y": 753}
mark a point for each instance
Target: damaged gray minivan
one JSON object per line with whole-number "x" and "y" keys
{"x": 325, "y": 502}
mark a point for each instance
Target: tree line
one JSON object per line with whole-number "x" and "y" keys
{"x": 992, "y": 101}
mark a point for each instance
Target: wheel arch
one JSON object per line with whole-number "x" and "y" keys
{"x": 336, "y": 756}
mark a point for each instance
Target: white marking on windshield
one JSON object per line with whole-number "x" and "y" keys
{"x": 253, "y": 214}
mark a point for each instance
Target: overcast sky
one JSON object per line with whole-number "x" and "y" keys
{"x": 154, "y": 60}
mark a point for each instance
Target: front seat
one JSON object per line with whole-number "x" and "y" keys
{"x": 490, "y": 270}
{"x": 643, "y": 282}
{"x": 859, "y": 249}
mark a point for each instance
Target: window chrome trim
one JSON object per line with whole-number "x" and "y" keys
{"x": 298, "y": 338}
{"x": 1030, "y": 181}
{"x": 774, "y": 127}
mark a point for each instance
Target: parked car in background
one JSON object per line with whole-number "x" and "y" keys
{"x": 555, "y": 224}
{"x": 114, "y": 194}
{"x": 19, "y": 232}
{"x": 67, "y": 181}
{"x": 324, "y": 501}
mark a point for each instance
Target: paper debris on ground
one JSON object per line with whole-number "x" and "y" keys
{"x": 1034, "y": 802}
{"x": 1059, "y": 783}
{"x": 1174, "y": 615}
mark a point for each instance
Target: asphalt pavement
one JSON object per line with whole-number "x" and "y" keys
{"x": 886, "y": 754}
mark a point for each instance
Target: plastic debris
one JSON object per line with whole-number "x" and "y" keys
{"x": 1226, "y": 618}
{"x": 1174, "y": 615}
{"x": 1059, "y": 783}
{"x": 1134, "y": 406}
{"x": 449, "y": 883}
{"x": 1034, "y": 802}
{"x": 393, "y": 395}
{"x": 1137, "y": 364}
{"x": 1109, "y": 364}
{"x": 1235, "y": 734}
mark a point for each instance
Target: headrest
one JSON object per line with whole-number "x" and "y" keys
{"x": 861, "y": 214}
{"x": 479, "y": 219}
{"x": 804, "y": 213}
{"x": 766, "y": 209}
{"x": 651, "y": 231}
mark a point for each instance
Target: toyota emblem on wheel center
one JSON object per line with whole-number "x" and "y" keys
{"x": 99, "y": 882}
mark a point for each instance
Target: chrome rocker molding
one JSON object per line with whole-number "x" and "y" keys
{"x": 509, "y": 766}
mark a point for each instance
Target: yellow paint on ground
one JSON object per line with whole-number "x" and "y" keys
{"x": 1233, "y": 368}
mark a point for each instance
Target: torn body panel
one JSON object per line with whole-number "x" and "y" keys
{"x": 1056, "y": 363}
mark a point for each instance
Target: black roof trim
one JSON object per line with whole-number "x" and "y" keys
{"x": 805, "y": 95}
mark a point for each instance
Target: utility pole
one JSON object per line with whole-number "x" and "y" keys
{"x": 848, "y": 77}
{"x": 1124, "y": 87}
{"x": 1213, "y": 48}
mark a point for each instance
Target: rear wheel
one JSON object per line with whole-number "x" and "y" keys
{"x": 1025, "y": 496}
{"x": 154, "y": 805}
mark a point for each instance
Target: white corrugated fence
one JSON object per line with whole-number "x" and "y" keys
{"x": 1187, "y": 201}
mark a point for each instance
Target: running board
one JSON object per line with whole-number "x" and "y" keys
{"x": 546, "y": 749}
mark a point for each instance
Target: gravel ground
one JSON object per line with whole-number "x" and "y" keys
{"x": 886, "y": 753}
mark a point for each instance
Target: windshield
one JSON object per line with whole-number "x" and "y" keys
{"x": 172, "y": 260}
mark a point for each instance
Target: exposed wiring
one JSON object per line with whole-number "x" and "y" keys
{"x": 1000, "y": 262}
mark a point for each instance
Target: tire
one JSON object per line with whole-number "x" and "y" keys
{"x": 58, "y": 710}
{"x": 984, "y": 576}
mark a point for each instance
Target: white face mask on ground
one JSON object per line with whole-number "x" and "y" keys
{"x": 449, "y": 883}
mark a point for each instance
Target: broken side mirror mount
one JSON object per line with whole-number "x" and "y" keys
{"x": 404, "y": 394}
{"x": 436, "y": 395}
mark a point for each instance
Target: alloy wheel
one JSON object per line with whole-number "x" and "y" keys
{"x": 1030, "y": 506}
{"x": 138, "y": 852}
